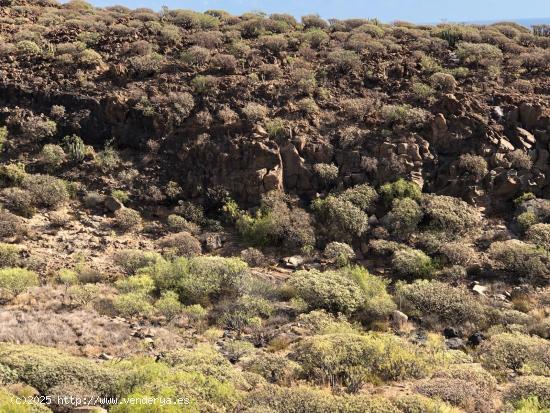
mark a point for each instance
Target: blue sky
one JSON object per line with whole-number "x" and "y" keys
{"x": 421, "y": 11}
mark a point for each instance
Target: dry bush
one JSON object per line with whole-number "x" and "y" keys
{"x": 182, "y": 244}
{"x": 128, "y": 219}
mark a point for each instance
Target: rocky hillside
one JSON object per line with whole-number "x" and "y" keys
{"x": 260, "y": 214}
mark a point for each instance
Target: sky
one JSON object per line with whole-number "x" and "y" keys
{"x": 418, "y": 11}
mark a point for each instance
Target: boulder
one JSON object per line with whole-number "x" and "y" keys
{"x": 399, "y": 320}
{"x": 293, "y": 262}
{"x": 455, "y": 343}
{"x": 112, "y": 204}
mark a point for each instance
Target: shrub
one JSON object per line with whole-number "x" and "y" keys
{"x": 363, "y": 196}
{"x": 329, "y": 290}
{"x": 52, "y": 156}
{"x": 3, "y": 137}
{"x": 462, "y": 393}
{"x": 452, "y": 215}
{"x": 422, "y": 91}
{"x": 45, "y": 368}
{"x": 342, "y": 219}
{"x": 199, "y": 279}
{"x": 404, "y": 217}
{"x": 182, "y": 243}
{"x": 275, "y": 368}
{"x": 339, "y": 253}
{"x": 89, "y": 57}
{"x": 132, "y": 304}
{"x": 255, "y": 112}
{"x": 190, "y": 211}
{"x": 133, "y": 260}
{"x": 19, "y": 201}
{"x": 400, "y": 189}
{"x": 253, "y": 257}
{"x": 127, "y": 219}
{"x": 352, "y": 359}
{"x": 458, "y": 253}
{"x": 9, "y": 255}
{"x": 539, "y": 234}
{"x": 516, "y": 351}
{"x": 303, "y": 80}
{"x": 526, "y": 219}
{"x": 277, "y": 223}
{"x": 327, "y": 173}
{"x": 67, "y": 277}
{"x": 246, "y": 311}
{"x": 196, "y": 56}
{"x": 480, "y": 54}
{"x": 344, "y": 61}
{"x": 141, "y": 283}
{"x": 518, "y": 257}
{"x": 299, "y": 399}
{"x": 520, "y": 159}
{"x": 10, "y": 224}
{"x": 225, "y": 62}
{"x": 46, "y": 190}
{"x": 18, "y": 280}
{"x": 13, "y": 173}
{"x": 179, "y": 224}
{"x": 412, "y": 263}
{"x": 525, "y": 387}
{"x": 449, "y": 304}
{"x": 11, "y": 404}
{"x": 416, "y": 403}
{"x": 443, "y": 81}
{"x": 169, "y": 305}
{"x": 473, "y": 164}
{"x": 404, "y": 116}
{"x": 75, "y": 148}
{"x": 28, "y": 47}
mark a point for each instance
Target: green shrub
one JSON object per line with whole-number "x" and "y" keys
{"x": 28, "y": 47}
{"x": 454, "y": 305}
{"x": 74, "y": 147}
{"x": 539, "y": 234}
{"x": 180, "y": 224}
{"x": 13, "y": 173}
{"x": 516, "y": 351}
{"x": 344, "y": 61}
{"x": 451, "y": 215}
{"x": 276, "y": 223}
{"x": 46, "y": 190}
{"x": 190, "y": 211}
{"x": 67, "y": 277}
{"x": 275, "y": 368}
{"x": 329, "y": 290}
{"x": 404, "y": 116}
{"x": 141, "y": 283}
{"x": 400, "y": 189}
{"x": 327, "y": 173}
{"x": 404, "y": 217}
{"x": 132, "y": 304}
{"x": 10, "y": 404}
{"x": 90, "y": 57}
{"x": 198, "y": 279}
{"x": 520, "y": 258}
{"x": 52, "y": 156}
{"x": 443, "y": 81}
{"x": 362, "y": 196}
{"x": 473, "y": 164}
{"x": 422, "y": 91}
{"x": 133, "y": 260}
{"x": 255, "y": 112}
{"x": 416, "y": 403}
{"x": 526, "y": 219}
{"x": 3, "y": 137}
{"x": 300, "y": 399}
{"x": 18, "y": 280}
{"x": 480, "y": 54}
{"x": 339, "y": 253}
{"x": 412, "y": 263}
{"x": 169, "y": 305}
{"x": 353, "y": 359}
{"x": 246, "y": 311}
{"x": 9, "y": 255}
{"x": 128, "y": 219}
{"x": 534, "y": 387}
{"x": 44, "y": 368}
{"x": 342, "y": 219}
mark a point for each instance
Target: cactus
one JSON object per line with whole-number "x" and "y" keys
{"x": 75, "y": 148}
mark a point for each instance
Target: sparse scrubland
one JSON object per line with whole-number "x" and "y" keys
{"x": 262, "y": 214}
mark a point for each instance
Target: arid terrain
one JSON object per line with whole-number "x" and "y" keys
{"x": 202, "y": 212}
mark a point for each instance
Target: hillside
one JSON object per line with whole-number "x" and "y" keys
{"x": 264, "y": 215}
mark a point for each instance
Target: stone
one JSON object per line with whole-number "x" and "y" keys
{"x": 399, "y": 320}
{"x": 480, "y": 289}
{"x": 530, "y": 114}
{"x": 451, "y": 332}
{"x": 113, "y": 204}
{"x": 497, "y": 113}
{"x": 455, "y": 343}
{"x": 211, "y": 241}
{"x": 293, "y": 262}
{"x": 476, "y": 339}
